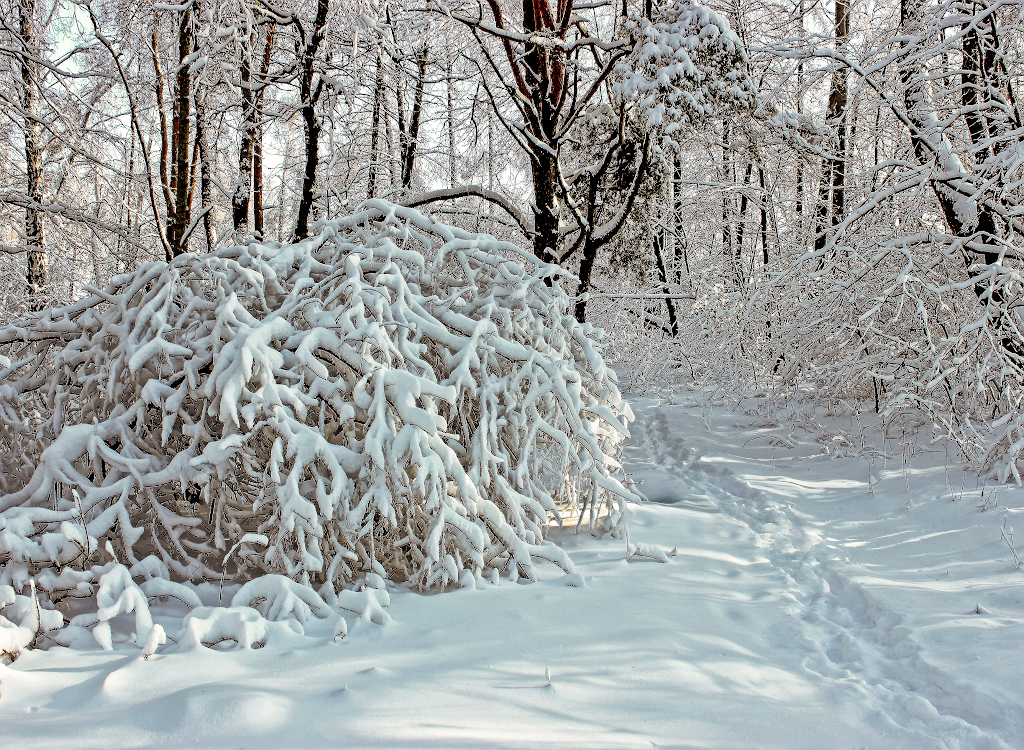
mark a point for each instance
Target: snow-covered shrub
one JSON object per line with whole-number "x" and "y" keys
{"x": 393, "y": 396}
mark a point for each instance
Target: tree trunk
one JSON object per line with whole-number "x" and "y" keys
{"x": 545, "y": 207}
{"x": 727, "y": 179}
{"x": 378, "y": 97}
{"x": 451, "y": 130}
{"x": 742, "y": 224}
{"x": 180, "y": 137}
{"x": 831, "y": 192}
{"x": 240, "y": 199}
{"x": 799, "y": 160}
{"x": 165, "y": 177}
{"x": 592, "y": 242}
{"x": 257, "y": 148}
{"x": 682, "y": 256}
{"x": 309, "y": 95}
{"x": 38, "y": 271}
{"x": 971, "y": 85}
{"x": 659, "y": 257}
{"x": 931, "y": 145}
{"x": 283, "y": 194}
{"x": 764, "y": 216}
{"x": 411, "y": 138}
{"x": 205, "y": 178}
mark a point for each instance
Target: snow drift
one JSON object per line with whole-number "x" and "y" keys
{"x": 393, "y": 397}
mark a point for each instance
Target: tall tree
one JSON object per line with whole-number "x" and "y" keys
{"x": 311, "y": 86}
{"x": 409, "y": 134}
{"x": 181, "y": 172}
{"x": 970, "y": 208}
{"x": 831, "y": 190}
{"x": 257, "y": 148}
{"x": 243, "y": 188}
{"x": 38, "y": 272}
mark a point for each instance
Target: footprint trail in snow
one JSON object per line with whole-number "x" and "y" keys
{"x": 799, "y": 612}
{"x": 854, "y": 637}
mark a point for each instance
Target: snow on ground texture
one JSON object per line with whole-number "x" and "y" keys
{"x": 798, "y": 611}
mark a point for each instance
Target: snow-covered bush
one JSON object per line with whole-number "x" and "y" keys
{"x": 393, "y": 396}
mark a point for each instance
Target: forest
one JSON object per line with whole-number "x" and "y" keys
{"x": 307, "y": 303}
{"x": 811, "y": 197}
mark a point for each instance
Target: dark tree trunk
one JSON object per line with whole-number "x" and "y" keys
{"x": 309, "y": 96}
{"x": 545, "y": 71}
{"x": 205, "y": 179}
{"x": 799, "y": 161}
{"x": 926, "y": 142}
{"x": 38, "y": 270}
{"x": 682, "y": 257}
{"x": 831, "y": 192}
{"x": 257, "y": 147}
{"x": 180, "y": 137}
{"x": 378, "y": 99}
{"x": 727, "y": 243}
{"x": 741, "y": 225}
{"x": 659, "y": 257}
{"x": 971, "y": 85}
{"x": 593, "y": 243}
{"x": 240, "y": 199}
{"x": 764, "y": 216}
{"x": 410, "y": 139}
{"x": 545, "y": 208}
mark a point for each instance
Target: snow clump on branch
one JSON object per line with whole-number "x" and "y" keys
{"x": 686, "y": 65}
{"x": 393, "y": 398}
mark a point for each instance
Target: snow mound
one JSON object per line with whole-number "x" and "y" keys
{"x": 393, "y": 398}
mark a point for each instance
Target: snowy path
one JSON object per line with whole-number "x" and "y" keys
{"x": 857, "y": 636}
{"x": 798, "y": 612}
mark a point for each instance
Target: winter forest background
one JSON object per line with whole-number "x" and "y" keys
{"x": 822, "y": 200}
{"x": 307, "y": 299}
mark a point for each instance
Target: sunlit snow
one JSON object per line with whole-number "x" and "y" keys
{"x": 801, "y": 607}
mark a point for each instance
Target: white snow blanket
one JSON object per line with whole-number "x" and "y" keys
{"x": 817, "y": 595}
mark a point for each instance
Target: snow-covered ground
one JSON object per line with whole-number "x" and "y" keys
{"x": 812, "y": 602}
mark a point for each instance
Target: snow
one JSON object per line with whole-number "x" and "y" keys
{"x": 814, "y": 596}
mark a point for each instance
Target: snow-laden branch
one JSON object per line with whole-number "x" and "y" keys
{"x": 464, "y": 191}
{"x": 391, "y": 396}
{"x": 686, "y": 63}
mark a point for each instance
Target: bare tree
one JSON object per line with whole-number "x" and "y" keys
{"x": 38, "y": 272}
{"x": 309, "y": 95}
